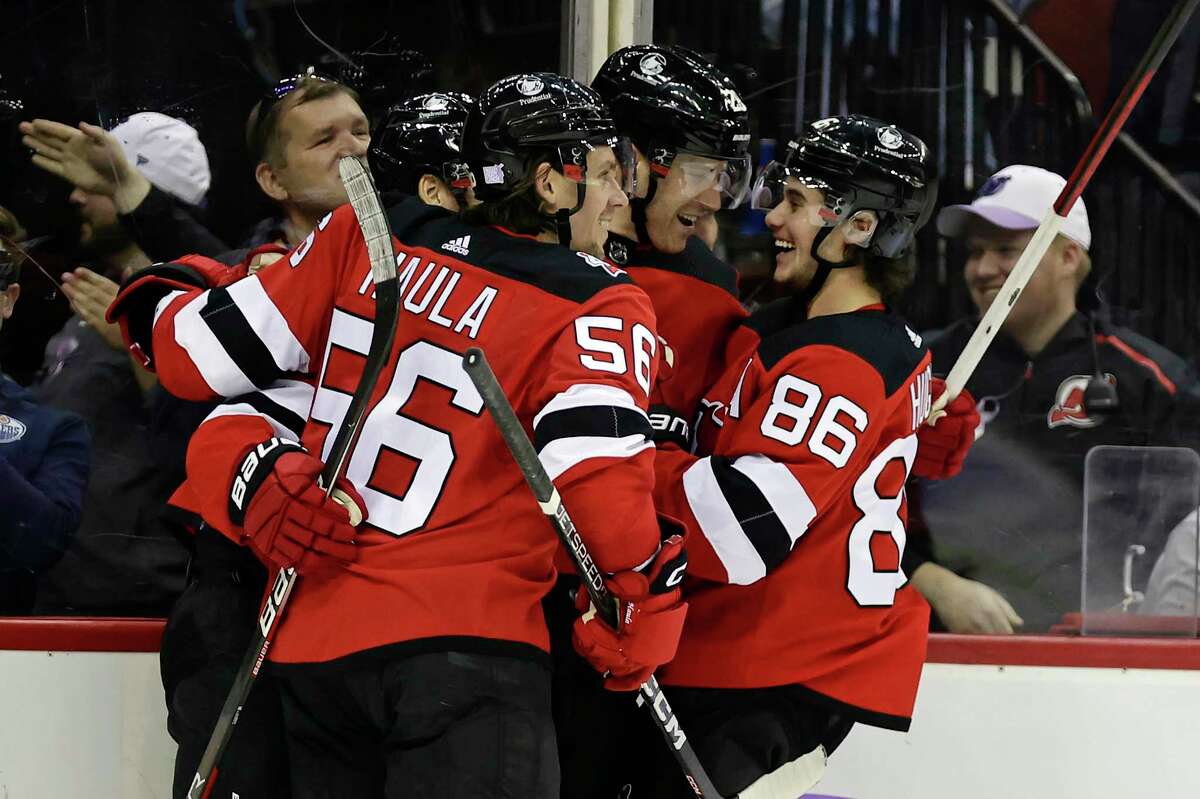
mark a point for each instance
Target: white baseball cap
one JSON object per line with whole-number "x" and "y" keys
{"x": 1016, "y": 198}
{"x": 168, "y": 152}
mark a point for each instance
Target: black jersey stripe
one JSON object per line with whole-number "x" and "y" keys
{"x": 608, "y": 421}
{"x": 287, "y": 419}
{"x": 238, "y": 338}
{"x": 759, "y": 522}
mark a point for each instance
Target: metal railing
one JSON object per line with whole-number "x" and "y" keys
{"x": 984, "y": 92}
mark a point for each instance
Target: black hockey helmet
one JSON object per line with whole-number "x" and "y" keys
{"x": 538, "y": 111}
{"x": 670, "y": 100}
{"x": 861, "y": 164}
{"x": 532, "y": 111}
{"x": 420, "y": 136}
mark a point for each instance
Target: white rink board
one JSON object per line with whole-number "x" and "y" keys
{"x": 91, "y": 724}
{"x": 83, "y": 724}
{"x": 1028, "y": 732}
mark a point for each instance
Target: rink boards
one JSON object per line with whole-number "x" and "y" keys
{"x": 82, "y": 714}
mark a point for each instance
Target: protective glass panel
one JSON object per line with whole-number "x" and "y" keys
{"x": 1140, "y": 525}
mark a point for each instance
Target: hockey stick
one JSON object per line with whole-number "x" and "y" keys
{"x": 371, "y": 220}
{"x": 1044, "y": 236}
{"x": 651, "y": 696}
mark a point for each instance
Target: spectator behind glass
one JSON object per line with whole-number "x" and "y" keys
{"x": 152, "y": 167}
{"x": 1006, "y": 532}
{"x": 295, "y": 136}
{"x": 43, "y": 464}
{"x": 125, "y": 560}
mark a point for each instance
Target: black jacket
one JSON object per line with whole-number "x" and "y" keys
{"x": 1013, "y": 518}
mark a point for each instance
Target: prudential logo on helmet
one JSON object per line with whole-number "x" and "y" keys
{"x": 890, "y": 138}
{"x": 652, "y": 64}
{"x": 530, "y": 86}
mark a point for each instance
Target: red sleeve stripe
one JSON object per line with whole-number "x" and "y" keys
{"x": 1144, "y": 360}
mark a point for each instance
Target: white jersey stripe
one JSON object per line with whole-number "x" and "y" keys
{"x": 782, "y": 490}
{"x": 270, "y": 325}
{"x": 163, "y": 303}
{"x": 583, "y": 395}
{"x": 719, "y": 525}
{"x": 561, "y": 454}
{"x": 216, "y": 367}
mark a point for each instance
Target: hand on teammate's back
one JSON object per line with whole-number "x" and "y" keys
{"x": 650, "y": 613}
{"x": 942, "y": 447}
{"x": 290, "y": 521}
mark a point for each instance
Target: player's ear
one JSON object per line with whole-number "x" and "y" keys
{"x": 1070, "y": 259}
{"x": 543, "y": 184}
{"x": 428, "y": 190}
{"x": 268, "y": 181}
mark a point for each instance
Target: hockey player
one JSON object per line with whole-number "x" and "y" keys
{"x": 795, "y": 500}
{"x": 211, "y": 626}
{"x": 418, "y": 150}
{"x": 691, "y": 135}
{"x": 414, "y": 661}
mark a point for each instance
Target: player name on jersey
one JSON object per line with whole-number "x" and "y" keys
{"x": 429, "y": 298}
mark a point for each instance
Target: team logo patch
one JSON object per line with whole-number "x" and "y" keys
{"x": 435, "y": 103}
{"x": 530, "y": 86}
{"x": 600, "y": 263}
{"x": 992, "y": 185}
{"x": 652, "y": 64}
{"x": 11, "y": 430}
{"x": 1068, "y": 403}
{"x": 890, "y": 138}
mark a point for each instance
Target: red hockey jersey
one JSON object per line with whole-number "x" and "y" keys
{"x": 797, "y": 514}
{"x": 454, "y": 550}
{"x": 694, "y": 295}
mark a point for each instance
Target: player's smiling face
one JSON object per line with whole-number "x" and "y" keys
{"x": 603, "y": 196}
{"x": 794, "y": 223}
{"x": 686, "y": 198}
{"x": 315, "y": 135}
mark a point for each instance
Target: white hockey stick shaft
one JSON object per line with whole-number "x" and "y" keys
{"x": 1168, "y": 32}
{"x": 1010, "y": 292}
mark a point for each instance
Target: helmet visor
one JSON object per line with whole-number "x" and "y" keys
{"x": 777, "y": 183}
{"x": 699, "y": 174}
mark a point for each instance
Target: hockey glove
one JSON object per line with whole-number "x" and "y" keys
{"x": 941, "y": 448}
{"x": 286, "y": 518}
{"x": 651, "y": 617}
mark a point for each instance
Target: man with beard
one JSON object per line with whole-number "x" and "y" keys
{"x": 125, "y": 560}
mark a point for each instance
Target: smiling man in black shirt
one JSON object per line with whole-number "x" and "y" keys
{"x": 1055, "y": 383}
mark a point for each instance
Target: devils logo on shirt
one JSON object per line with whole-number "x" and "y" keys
{"x": 1068, "y": 406}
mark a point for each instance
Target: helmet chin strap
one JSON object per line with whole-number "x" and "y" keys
{"x": 824, "y": 267}
{"x": 637, "y": 208}
{"x": 562, "y": 218}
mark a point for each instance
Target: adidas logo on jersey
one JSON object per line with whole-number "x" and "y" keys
{"x": 461, "y": 245}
